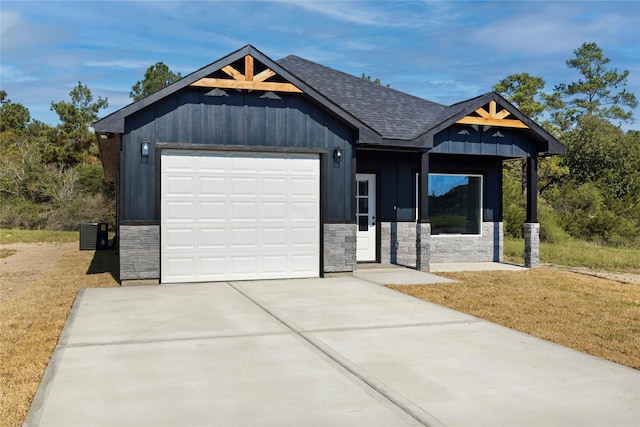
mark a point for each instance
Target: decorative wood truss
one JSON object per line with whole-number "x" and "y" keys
{"x": 492, "y": 118}
{"x": 247, "y": 80}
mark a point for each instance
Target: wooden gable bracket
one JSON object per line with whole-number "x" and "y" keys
{"x": 492, "y": 118}
{"x": 247, "y": 80}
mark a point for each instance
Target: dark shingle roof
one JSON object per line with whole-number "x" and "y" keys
{"x": 390, "y": 113}
{"x": 382, "y": 115}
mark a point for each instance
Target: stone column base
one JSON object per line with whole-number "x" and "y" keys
{"x": 139, "y": 247}
{"x": 423, "y": 246}
{"x": 532, "y": 245}
{"x": 339, "y": 247}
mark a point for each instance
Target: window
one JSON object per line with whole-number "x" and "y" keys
{"x": 455, "y": 203}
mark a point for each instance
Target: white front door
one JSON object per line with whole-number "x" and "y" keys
{"x": 366, "y": 217}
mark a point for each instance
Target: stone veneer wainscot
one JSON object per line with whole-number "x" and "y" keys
{"x": 339, "y": 247}
{"x": 139, "y": 247}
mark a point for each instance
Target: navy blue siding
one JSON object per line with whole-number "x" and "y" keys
{"x": 240, "y": 119}
{"x": 396, "y": 172}
{"x": 490, "y": 142}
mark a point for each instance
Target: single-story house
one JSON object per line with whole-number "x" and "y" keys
{"x": 251, "y": 168}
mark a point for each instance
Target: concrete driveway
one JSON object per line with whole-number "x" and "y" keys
{"x": 340, "y": 351}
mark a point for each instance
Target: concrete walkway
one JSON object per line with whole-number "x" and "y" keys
{"x": 340, "y": 351}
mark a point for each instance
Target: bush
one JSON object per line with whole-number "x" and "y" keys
{"x": 90, "y": 208}
{"x": 585, "y": 213}
{"x": 35, "y": 195}
{"x": 20, "y": 214}
{"x": 513, "y": 201}
{"x": 550, "y": 229}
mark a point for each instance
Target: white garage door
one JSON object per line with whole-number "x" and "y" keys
{"x": 237, "y": 216}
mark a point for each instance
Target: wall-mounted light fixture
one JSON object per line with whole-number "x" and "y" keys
{"x": 144, "y": 151}
{"x": 107, "y": 135}
{"x": 337, "y": 154}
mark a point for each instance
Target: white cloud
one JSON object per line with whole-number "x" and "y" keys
{"x": 543, "y": 28}
{"x": 10, "y": 74}
{"x": 441, "y": 50}
{"x": 118, "y": 63}
{"x": 9, "y": 21}
{"x": 377, "y": 14}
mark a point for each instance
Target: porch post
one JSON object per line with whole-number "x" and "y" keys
{"x": 532, "y": 227}
{"x": 423, "y": 227}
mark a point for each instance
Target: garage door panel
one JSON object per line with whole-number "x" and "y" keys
{"x": 180, "y": 239}
{"x": 244, "y": 264}
{"x": 246, "y": 216}
{"x": 305, "y": 166}
{"x": 211, "y": 267}
{"x": 243, "y": 186}
{"x": 212, "y": 211}
{"x": 274, "y": 187}
{"x": 178, "y": 162}
{"x": 242, "y": 211}
{"x": 303, "y": 263}
{"x": 213, "y": 164}
{"x": 242, "y": 164}
{"x": 274, "y": 211}
{"x": 243, "y": 237}
{"x": 180, "y": 211}
{"x": 180, "y": 267}
{"x": 180, "y": 186}
{"x": 213, "y": 238}
{"x": 275, "y": 264}
{"x": 274, "y": 237}
{"x": 215, "y": 187}
{"x": 301, "y": 236}
{"x": 303, "y": 211}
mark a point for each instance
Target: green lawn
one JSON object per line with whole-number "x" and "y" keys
{"x": 36, "y": 236}
{"x": 574, "y": 253}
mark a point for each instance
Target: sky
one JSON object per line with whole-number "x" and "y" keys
{"x": 444, "y": 51}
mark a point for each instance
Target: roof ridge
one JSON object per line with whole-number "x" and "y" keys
{"x": 393, "y": 114}
{"x": 360, "y": 79}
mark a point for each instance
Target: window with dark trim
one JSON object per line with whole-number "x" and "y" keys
{"x": 455, "y": 203}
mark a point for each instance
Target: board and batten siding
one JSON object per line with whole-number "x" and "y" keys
{"x": 396, "y": 172}
{"x": 244, "y": 119}
{"x": 485, "y": 140}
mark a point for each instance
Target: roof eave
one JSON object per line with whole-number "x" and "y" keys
{"x": 115, "y": 122}
{"x": 553, "y": 146}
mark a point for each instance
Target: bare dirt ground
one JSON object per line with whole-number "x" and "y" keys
{"x": 19, "y": 270}
{"x": 627, "y": 278}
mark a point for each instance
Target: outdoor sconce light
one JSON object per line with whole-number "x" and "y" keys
{"x": 337, "y": 154}
{"x": 144, "y": 151}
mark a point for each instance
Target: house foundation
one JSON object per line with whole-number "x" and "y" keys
{"x": 423, "y": 246}
{"x": 398, "y": 243}
{"x": 532, "y": 245}
{"x": 485, "y": 247}
{"x": 339, "y": 247}
{"x": 139, "y": 247}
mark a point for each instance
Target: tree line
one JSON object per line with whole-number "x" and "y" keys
{"x": 51, "y": 177}
{"x": 593, "y": 192}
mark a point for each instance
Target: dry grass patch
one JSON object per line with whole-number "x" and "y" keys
{"x": 31, "y": 324}
{"x": 597, "y": 316}
{"x": 4, "y": 253}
